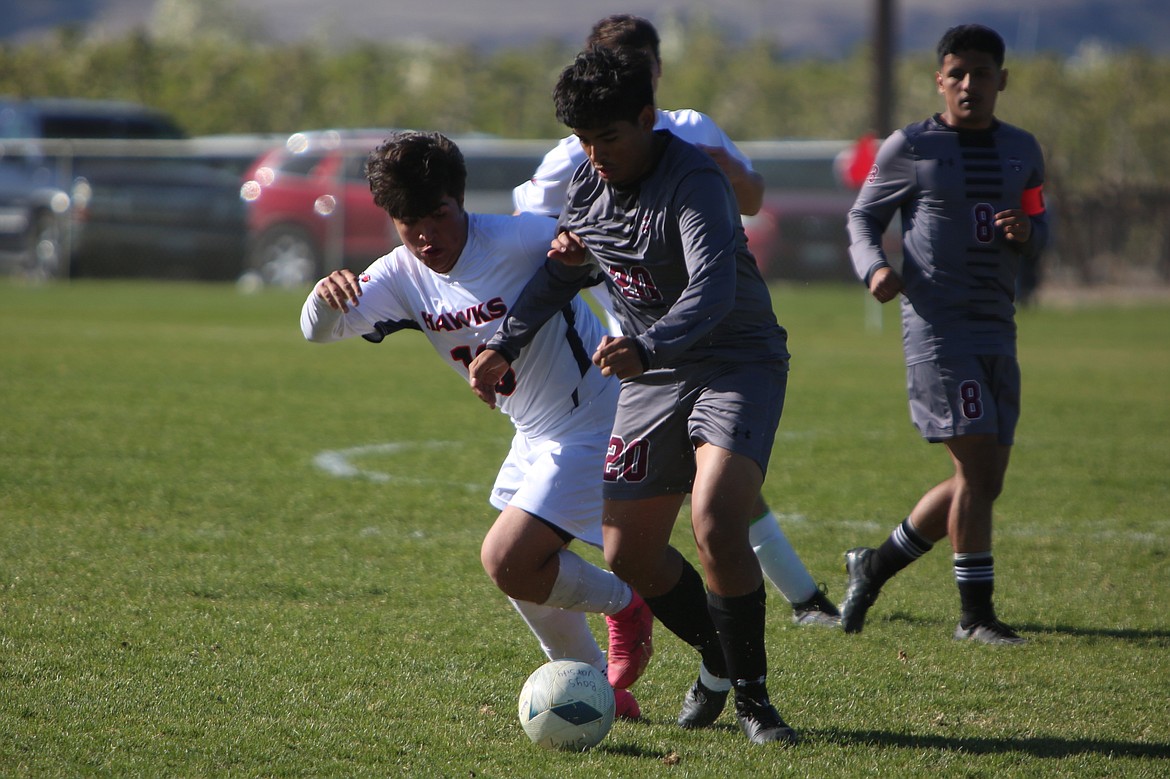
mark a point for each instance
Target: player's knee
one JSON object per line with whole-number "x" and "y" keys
{"x": 495, "y": 562}
{"x": 515, "y": 571}
{"x": 627, "y": 566}
{"x": 986, "y": 484}
{"x": 720, "y": 538}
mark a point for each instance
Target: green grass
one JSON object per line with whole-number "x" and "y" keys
{"x": 184, "y": 592}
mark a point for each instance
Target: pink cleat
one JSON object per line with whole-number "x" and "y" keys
{"x": 630, "y": 643}
{"x": 625, "y": 706}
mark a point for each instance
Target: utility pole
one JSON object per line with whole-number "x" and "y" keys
{"x": 883, "y": 52}
{"x": 883, "y": 110}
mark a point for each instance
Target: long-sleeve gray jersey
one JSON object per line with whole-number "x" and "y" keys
{"x": 675, "y": 256}
{"x": 959, "y": 272}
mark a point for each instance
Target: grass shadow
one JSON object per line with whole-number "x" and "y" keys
{"x": 1123, "y": 634}
{"x": 1036, "y": 747}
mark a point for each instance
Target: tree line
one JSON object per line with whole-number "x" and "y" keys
{"x": 1099, "y": 116}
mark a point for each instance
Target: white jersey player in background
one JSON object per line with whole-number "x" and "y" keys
{"x": 454, "y": 279}
{"x": 544, "y": 194}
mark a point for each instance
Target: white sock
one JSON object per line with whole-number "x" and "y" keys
{"x": 582, "y": 586}
{"x": 712, "y": 682}
{"x": 562, "y": 634}
{"x": 779, "y": 561}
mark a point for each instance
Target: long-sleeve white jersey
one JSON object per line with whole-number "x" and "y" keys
{"x": 460, "y": 310}
{"x": 544, "y": 193}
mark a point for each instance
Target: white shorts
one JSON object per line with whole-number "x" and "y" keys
{"x": 559, "y": 478}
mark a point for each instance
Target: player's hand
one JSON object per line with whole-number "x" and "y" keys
{"x": 885, "y": 285}
{"x": 485, "y": 371}
{"x": 619, "y": 357}
{"x": 568, "y": 248}
{"x": 1016, "y": 225}
{"x": 340, "y": 289}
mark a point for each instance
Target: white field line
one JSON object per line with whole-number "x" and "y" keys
{"x": 339, "y": 463}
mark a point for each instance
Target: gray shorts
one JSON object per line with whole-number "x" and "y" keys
{"x": 663, "y": 415}
{"x": 957, "y": 396}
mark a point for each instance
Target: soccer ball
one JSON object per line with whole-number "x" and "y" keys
{"x": 566, "y": 704}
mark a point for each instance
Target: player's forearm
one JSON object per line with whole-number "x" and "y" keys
{"x": 320, "y": 323}
{"x": 1038, "y": 239}
{"x": 749, "y": 193}
{"x": 865, "y": 245}
{"x": 708, "y": 298}
{"x": 550, "y": 290}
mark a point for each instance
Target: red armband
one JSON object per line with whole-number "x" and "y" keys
{"x": 1033, "y": 201}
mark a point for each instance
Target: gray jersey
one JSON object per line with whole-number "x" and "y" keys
{"x": 675, "y": 256}
{"x": 959, "y": 272}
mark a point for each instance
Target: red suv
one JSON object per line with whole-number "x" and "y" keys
{"x": 309, "y": 207}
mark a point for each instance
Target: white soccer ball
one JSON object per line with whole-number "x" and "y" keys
{"x": 566, "y": 704}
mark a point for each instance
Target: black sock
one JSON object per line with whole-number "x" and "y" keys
{"x": 683, "y": 611}
{"x": 903, "y": 546}
{"x": 975, "y": 575}
{"x": 739, "y": 622}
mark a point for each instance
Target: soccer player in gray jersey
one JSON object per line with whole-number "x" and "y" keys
{"x": 544, "y": 193}
{"x": 969, "y": 190}
{"x": 704, "y": 367}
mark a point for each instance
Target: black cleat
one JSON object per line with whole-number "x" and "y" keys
{"x": 761, "y": 723}
{"x": 817, "y": 610}
{"x": 860, "y": 592}
{"x": 989, "y": 632}
{"x": 701, "y": 707}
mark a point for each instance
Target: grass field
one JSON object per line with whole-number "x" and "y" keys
{"x": 228, "y": 552}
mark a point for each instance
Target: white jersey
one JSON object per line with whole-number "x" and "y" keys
{"x": 461, "y": 310}
{"x": 544, "y": 193}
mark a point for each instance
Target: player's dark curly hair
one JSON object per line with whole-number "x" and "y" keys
{"x": 603, "y": 86}
{"x": 971, "y": 37}
{"x": 411, "y": 173}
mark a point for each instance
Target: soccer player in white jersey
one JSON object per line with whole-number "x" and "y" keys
{"x": 454, "y": 278}
{"x": 969, "y": 189}
{"x": 544, "y": 193}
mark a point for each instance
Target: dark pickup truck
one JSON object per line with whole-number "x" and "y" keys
{"x": 106, "y": 188}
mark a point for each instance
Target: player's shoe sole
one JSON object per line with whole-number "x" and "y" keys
{"x": 631, "y": 643}
{"x": 701, "y": 707}
{"x": 993, "y": 632}
{"x": 860, "y": 593}
{"x": 817, "y": 610}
